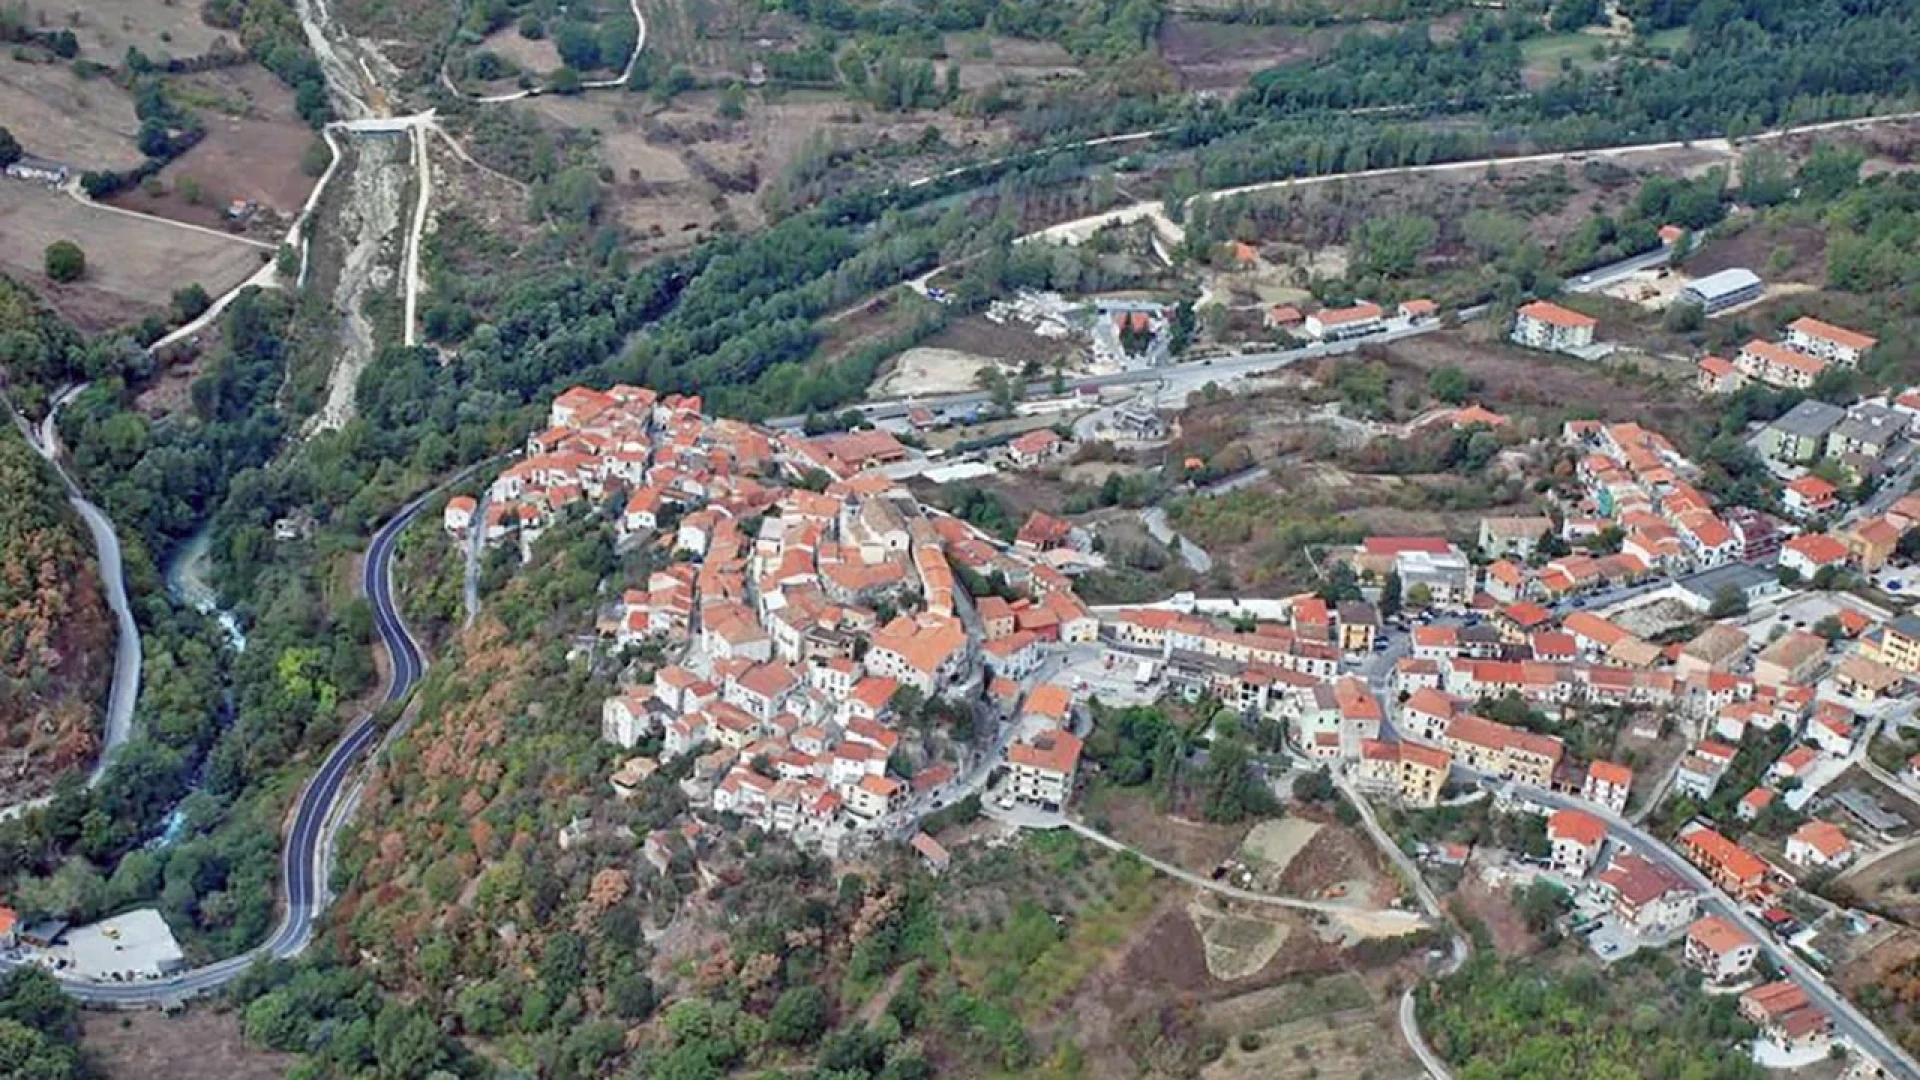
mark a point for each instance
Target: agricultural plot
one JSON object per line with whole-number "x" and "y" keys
{"x": 134, "y": 264}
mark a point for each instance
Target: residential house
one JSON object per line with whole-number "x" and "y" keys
{"x": 458, "y": 516}
{"x": 1042, "y": 769}
{"x": 1800, "y": 436}
{"x": 1608, "y": 784}
{"x": 1871, "y": 543}
{"x": 1719, "y": 647}
{"x": 1867, "y": 680}
{"x": 1575, "y": 837}
{"x": 1718, "y": 375}
{"x": 1754, "y": 803}
{"x": 1819, "y": 845}
{"x": 930, "y": 850}
{"x": 1513, "y": 537}
{"x": 1411, "y": 772}
{"x": 1035, "y": 448}
{"x": 1897, "y": 645}
{"x": 1792, "y": 659}
{"x": 1809, "y": 496}
{"x": 1786, "y": 1017}
{"x": 626, "y": 719}
{"x": 1810, "y": 553}
{"x": 1646, "y": 897}
{"x": 1777, "y": 365}
{"x": 1488, "y": 746}
{"x": 1359, "y": 622}
{"x": 1868, "y": 431}
{"x": 1548, "y": 326}
{"x": 1827, "y": 341}
{"x": 1733, "y": 869}
{"x": 1339, "y": 324}
{"x": 1719, "y": 950}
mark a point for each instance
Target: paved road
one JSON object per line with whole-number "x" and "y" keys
{"x": 1849, "y": 1023}
{"x": 303, "y": 875}
{"x": 124, "y": 691}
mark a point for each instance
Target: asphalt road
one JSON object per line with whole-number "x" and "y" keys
{"x": 302, "y": 873}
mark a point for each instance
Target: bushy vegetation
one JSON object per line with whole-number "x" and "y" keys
{"x": 1644, "y": 1017}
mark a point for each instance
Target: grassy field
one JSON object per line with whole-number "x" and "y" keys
{"x": 81, "y": 123}
{"x": 1670, "y": 40}
{"x": 1543, "y": 55}
{"x": 1326, "y": 1029}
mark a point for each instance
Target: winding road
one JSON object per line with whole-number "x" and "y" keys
{"x": 315, "y": 820}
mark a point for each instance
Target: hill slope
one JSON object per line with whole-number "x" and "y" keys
{"x": 56, "y": 649}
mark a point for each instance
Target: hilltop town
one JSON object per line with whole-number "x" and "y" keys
{"x": 1672, "y": 687}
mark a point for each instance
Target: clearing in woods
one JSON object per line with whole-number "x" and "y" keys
{"x": 80, "y": 123}
{"x": 133, "y": 265}
{"x": 198, "y": 1042}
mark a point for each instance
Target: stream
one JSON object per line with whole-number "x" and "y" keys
{"x": 187, "y": 584}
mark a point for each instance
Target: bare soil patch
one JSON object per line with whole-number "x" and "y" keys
{"x": 1496, "y": 909}
{"x": 925, "y": 370}
{"x": 133, "y": 265}
{"x": 1276, "y": 842}
{"x": 1888, "y": 884}
{"x": 985, "y": 61}
{"x": 1010, "y": 344}
{"x": 538, "y": 57}
{"x": 1223, "y": 56}
{"x": 1336, "y": 863}
{"x": 1754, "y": 248}
{"x": 80, "y": 123}
{"x": 1194, "y": 845}
{"x": 198, "y": 1042}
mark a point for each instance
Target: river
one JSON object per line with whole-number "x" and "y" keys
{"x": 187, "y": 583}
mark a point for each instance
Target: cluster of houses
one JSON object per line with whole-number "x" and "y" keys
{"x": 1804, "y": 352}
{"x": 1343, "y": 323}
{"x": 785, "y": 675}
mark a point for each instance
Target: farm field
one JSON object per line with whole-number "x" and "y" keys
{"x": 133, "y": 265}
{"x": 252, "y": 152}
{"x": 108, "y": 28}
{"x": 80, "y": 123}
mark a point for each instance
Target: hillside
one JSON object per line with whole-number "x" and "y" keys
{"x": 57, "y": 652}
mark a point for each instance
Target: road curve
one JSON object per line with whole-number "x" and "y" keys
{"x": 303, "y": 875}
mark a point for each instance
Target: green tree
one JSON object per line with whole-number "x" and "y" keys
{"x": 65, "y": 261}
{"x": 733, "y": 102}
{"x": 1450, "y": 384}
{"x": 1390, "y": 598}
{"x": 1728, "y": 601}
{"x": 799, "y": 1016}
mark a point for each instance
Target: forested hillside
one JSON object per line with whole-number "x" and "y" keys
{"x": 56, "y": 653}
